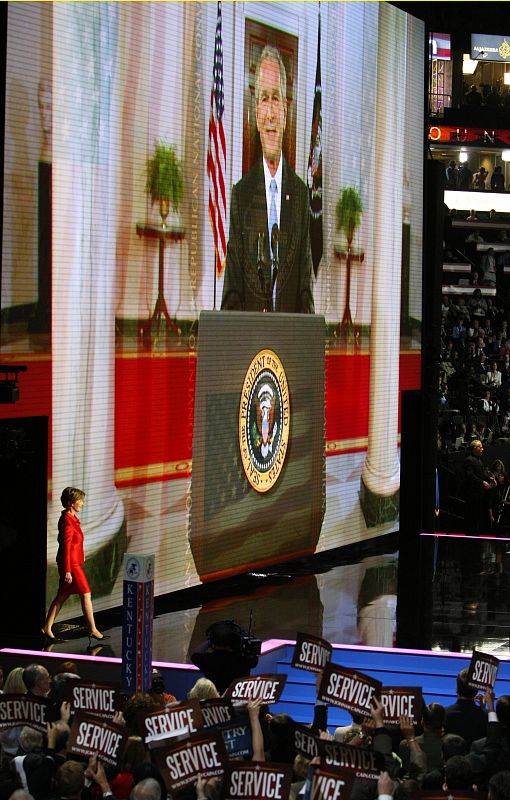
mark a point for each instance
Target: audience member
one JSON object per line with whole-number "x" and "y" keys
{"x": 499, "y": 786}
{"x": 473, "y": 97}
{"x": 493, "y": 376}
{"x": 464, "y": 177}
{"x": 479, "y": 178}
{"x": 458, "y": 774}
{"x": 430, "y": 742}
{"x": 146, "y": 789}
{"x": 451, "y": 176}
{"x": 69, "y": 781}
{"x": 37, "y": 680}
{"x": 203, "y": 689}
{"x": 497, "y": 180}
{"x": 157, "y": 690}
{"x": 488, "y": 267}
{"x": 477, "y": 481}
{"x": 438, "y": 758}
{"x": 9, "y": 739}
{"x": 475, "y": 236}
{"x": 465, "y": 717}
{"x": 345, "y": 733}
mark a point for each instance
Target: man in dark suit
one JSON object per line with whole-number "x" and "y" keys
{"x": 270, "y": 193}
{"x": 477, "y": 481}
{"x": 465, "y": 717}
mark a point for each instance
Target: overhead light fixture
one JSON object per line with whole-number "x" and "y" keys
{"x": 505, "y": 155}
{"x": 463, "y": 156}
{"x": 468, "y": 64}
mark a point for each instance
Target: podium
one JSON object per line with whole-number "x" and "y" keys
{"x": 258, "y": 477}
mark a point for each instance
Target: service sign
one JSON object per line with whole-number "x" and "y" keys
{"x": 181, "y": 763}
{"x": 19, "y": 709}
{"x": 329, "y": 783}
{"x": 256, "y": 780}
{"x": 482, "y": 671}
{"x": 180, "y": 721}
{"x": 215, "y": 711}
{"x": 91, "y": 736}
{"x": 93, "y": 698}
{"x": 306, "y": 743}
{"x": 363, "y": 763}
{"x": 311, "y": 653}
{"x": 349, "y": 689}
{"x": 237, "y": 736}
{"x": 401, "y": 700}
{"x": 267, "y": 688}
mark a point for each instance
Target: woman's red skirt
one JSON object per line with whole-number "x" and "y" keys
{"x": 79, "y": 584}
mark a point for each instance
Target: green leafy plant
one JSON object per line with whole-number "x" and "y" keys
{"x": 348, "y": 212}
{"x": 349, "y": 209}
{"x": 164, "y": 175}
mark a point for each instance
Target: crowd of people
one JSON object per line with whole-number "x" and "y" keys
{"x": 474, "y": 375}
{"x": 495, "y": 96}
{"x": 462, "y": 747}
{"x": 462, "y": 177}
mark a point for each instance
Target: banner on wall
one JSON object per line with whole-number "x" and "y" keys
{"x": 488, "y": 47}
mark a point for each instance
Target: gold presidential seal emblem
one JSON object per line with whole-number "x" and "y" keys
{"x": 264, "y": 420}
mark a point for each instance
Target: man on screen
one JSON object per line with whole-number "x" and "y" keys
{"x": 268, "y": 263}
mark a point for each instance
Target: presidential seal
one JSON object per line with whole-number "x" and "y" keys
{"x": 264, "y": 420}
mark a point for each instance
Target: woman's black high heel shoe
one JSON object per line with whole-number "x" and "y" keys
{"x": 47, "y": 639}
{"x": 98, "y": 638}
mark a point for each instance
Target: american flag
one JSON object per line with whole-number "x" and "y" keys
{"x": 314, "y": 174}
{"x": 216, "y": 156}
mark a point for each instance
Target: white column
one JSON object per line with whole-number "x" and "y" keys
{"x": 84, "y": 224}
{"x": 381, "y": 470}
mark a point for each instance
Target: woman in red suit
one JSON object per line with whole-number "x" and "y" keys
{"x": 70, "y": 559}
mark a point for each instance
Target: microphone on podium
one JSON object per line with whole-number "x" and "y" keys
{"x": 275, "y": 242}
{"x": 260, "y": 260}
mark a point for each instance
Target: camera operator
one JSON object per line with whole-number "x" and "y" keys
{"x": 225, "y": 655}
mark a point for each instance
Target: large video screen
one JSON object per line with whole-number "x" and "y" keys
{"x": 103, "y": 284}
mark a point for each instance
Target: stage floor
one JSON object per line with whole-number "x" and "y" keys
{"x": 471, "y": 595}
{"x": 347, "y": 596}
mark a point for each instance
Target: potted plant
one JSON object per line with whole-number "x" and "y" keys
{"x": 348, "y": 217}
{"x": 164, "y": 179}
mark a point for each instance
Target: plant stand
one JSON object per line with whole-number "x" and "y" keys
{"x": 345, "y": 328}
{"x": 160, "y": 309}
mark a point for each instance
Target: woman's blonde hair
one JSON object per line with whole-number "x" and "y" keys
{"x": 204, "y": 689}
{"x": 14, "y": 683}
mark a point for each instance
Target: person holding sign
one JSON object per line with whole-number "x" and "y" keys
{"x": 465, "y": 717}
{"x": 70, "y": 560}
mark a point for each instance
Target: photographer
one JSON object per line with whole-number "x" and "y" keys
{"x": 225, "y": 655}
